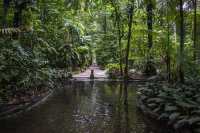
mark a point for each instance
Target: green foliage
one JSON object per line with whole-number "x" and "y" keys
{"x": 113, "y": 71}
{"x": 39, "y": 42}
{"x": 178, "y": 104}
{"x": 19, "y": 69}
{"x": 48, "y": 39}
{"x": 105, "y": 50}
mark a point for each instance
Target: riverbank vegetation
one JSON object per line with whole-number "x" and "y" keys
{"x": 39, "y": 41}
{"x": 42, "y": 40}
{"x": 176, "y": 105}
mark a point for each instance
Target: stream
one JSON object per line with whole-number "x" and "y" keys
{"x": 84, "y": 107}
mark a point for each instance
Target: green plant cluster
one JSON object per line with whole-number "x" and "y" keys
{"x": 40, "y": 41}
{"x": 20, "y": 69}
{"x": 179, "y": 105}
{"x": 113, "y": 71}
{"x": 161, "y": 33}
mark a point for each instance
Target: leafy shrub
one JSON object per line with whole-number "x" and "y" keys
{"x": 20, "y": 69}
{"x": 192, "y": 71}
{"x": 113, "y": 70}
{"x": 150, "y": 68}
{"x": 178, "y": 104}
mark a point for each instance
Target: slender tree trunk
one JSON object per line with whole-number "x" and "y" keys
{"x": 120, "y": 52}
{"x": 119, "y": 42}
{"x": 150, "y": 23}
{"x": 126, "y": 76}
{"x": 5, "y": 12}
{"x": 168, "y": 58}
{"x": 168, "y": 53}
{"x": 182, "y": 36}
{"x": 17, "y": 20}
{"x": 195, "y": 29}
{"x": 120, "y": 35}
{"x": 150, "y": 68}
{"x": 105, "y": 24}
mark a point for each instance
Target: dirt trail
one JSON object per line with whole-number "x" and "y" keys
{"x": 98, "y": 73}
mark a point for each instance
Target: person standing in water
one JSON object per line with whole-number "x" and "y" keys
{"x": 92, "y": 74}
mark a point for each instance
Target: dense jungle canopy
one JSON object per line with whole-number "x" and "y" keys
{"x": 151, "y": 36}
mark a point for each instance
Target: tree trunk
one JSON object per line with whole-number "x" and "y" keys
{"x": 120, "y": 52}
{"x": 168, "y": 58}
{"x": 118, "y": 19}
{"x": 150, "y": 23}
{"x": 195, "y": 29}
{"x": 105, "y": 24}
{"x": 182, "y": 36}
{"x": 120, "y": 34}
{"x": 6, "y": 4}
{"x": 150, "y": 68}
{"x": 17, "y": 20}
{"x": 126, "y": 76}
{"x": 168, "y": 62}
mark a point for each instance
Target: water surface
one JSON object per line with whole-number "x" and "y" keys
{"x": 83, "y": 107}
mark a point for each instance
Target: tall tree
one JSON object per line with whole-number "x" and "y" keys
{"x": 6, "y": 4}
{"x": 130, "y": 23}
{"x": 167, "y": 10}
{"x": 150, "y": 69}
{"x": 149, "y": 9}
{"x": 182, "y": 36}
{"x": 118, "y": 19}
{"x": 195, "y": 28}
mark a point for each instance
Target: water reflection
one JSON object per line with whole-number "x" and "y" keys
{"x": 122, "y": 116}
{"x": 83, "y": 107}
{"x": 126, "y": 108}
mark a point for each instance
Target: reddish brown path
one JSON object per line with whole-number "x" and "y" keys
{"x": 98, "y": 73}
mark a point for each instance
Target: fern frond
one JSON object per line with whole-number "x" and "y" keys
{"x": 9, "y": 31}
